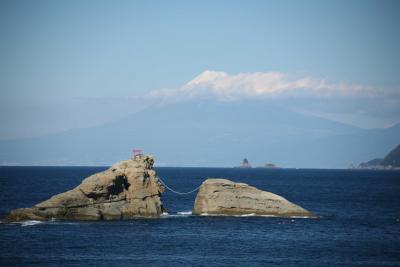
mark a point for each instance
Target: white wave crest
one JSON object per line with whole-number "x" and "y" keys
{"x": 184, "y": 212}
{"x": 30, "y": 223}
{"x": 246, "y": 215}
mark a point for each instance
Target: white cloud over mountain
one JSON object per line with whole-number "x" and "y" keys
{"x": 239, "y": 86}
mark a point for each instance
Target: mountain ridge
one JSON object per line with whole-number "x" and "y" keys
{"x": 208, "y": 134}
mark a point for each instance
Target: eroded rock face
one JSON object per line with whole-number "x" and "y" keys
{"x": 224, "y": 197}
{"x": 128, "y": 189}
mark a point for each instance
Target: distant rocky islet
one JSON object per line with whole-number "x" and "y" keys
{"x": 246, "y": 164}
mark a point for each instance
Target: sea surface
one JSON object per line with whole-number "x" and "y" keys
{"x": 359, "y": 222}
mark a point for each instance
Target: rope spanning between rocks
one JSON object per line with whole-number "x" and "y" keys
{"x": 177, "y": 192}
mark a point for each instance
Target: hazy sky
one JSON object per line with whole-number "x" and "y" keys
{"x": 69, "y": 64}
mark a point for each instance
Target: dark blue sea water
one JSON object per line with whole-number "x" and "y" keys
{"x": 359, "y": 225}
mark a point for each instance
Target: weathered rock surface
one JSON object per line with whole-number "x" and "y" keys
{"x": 128, "y": 189}
{"x": 224, "y": 197}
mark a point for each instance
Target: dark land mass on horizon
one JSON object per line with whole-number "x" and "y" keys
{"x": 391, "y": 160}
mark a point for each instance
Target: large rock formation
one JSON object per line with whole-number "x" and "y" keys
{"x": 224, "y": 197}
{"x": 128, "y": 189}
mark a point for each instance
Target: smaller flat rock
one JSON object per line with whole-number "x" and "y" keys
{"x": 224, "y": 197}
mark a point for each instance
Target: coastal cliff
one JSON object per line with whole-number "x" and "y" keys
{"x": 389, "y": 162}
{"x": 224, "y": 197}
{"x": 126, "y": 190}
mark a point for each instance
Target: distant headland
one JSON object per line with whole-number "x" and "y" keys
{"x": 390, "y": 162}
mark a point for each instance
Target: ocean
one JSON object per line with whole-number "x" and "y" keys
{"x": 359, "y": 222}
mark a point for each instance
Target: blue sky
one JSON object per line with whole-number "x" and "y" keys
{"x": 70, "y": 64}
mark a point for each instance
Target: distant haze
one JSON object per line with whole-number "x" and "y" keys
{"x": 210, "y": 133}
